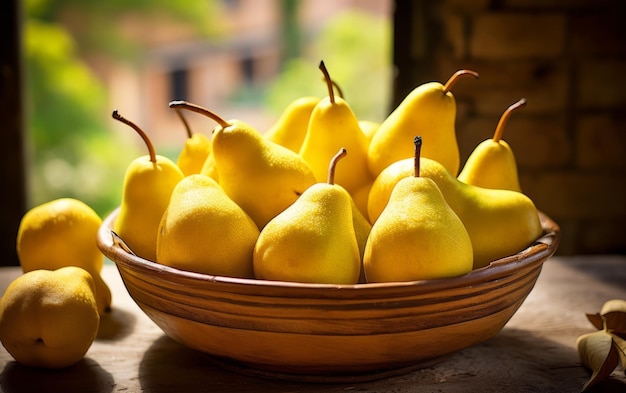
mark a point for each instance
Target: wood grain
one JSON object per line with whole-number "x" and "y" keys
{"x": 534, "y": 352}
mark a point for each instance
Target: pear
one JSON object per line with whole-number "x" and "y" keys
{"x": 195, "y": 151}
{"x": 430, "y": 111}
{"x": 290, "y": 128}
{"x": 262, "y": 177}
{"x": 313, "y": 240}
{"x": 332, "y": 126}
{"x": 492, "y": 163}
{"x": 204, "y": 231}
{"x": 417, "y": 236}
{"x": 62, "y": 232}
{"x": 148, "y": 183}
{"x": 499, "y": 222}
{"x": 369, "y": 128}
{"x": 49, "y": 318}
{"x": 360, "y": 197}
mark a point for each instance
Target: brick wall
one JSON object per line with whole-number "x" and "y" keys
{"x": 568, "y": 59}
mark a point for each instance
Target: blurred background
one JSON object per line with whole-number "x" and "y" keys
{"x": 248, "y": 59}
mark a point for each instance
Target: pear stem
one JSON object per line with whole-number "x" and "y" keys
{"x": 497, "y": 135}
{"x": 338, "y": 88}
{"x": 418, "y": 149}
{"x": 333, "y": 164}
{"x": 185, "y": 123}
{"x": 455, "y": 77}
{"x": 329, "y": 82}
{"x": 199, "y": 109}
{"x": 141, "y": 133}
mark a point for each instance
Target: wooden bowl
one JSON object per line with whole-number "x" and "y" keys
{"x": 332, "y": 333}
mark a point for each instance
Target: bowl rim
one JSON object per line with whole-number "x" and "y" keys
{"x": 531, "y": 257}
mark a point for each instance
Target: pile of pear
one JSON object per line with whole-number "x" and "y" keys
{"x": 324, "y": 197}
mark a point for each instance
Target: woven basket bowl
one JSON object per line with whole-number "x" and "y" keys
{"x": 320, "y": 332}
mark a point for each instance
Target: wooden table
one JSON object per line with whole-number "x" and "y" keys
{"x": 535, "y": 352}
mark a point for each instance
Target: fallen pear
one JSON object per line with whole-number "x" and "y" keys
{"x": 49, "y": 318}
{"x": 62, "y": 232}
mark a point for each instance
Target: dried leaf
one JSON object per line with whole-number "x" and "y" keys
{"x": 620, "y": 343}
{"x": 599, "y": 354}
{"x": 596, "y": 320}
{"x": 615, "y": 321}
{"x": 614, "y": 314}
{"x": 611, "y": 317}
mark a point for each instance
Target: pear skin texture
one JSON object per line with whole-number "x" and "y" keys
{"x": 60, "y": 233}
{"x": 361, "y": 196}
{"x": 312, "y": 241}
{"x": 145, "y": 196}
{"x": 262, "y": 177}
{"x": 417, "y": 237}
{"x": 49, "y": 318}
{"x": 499, "y": 222}
{"x": 208, "y": 167}
{"x": 491, "y": 165}
{"x": 195, "y": 152}
{"x": 290, "y": 128}
{"x": 332, "y": 127}
{"x": 427, "y": 112}
{"x": 204, "y": 231}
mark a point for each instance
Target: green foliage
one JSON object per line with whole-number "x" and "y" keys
{"x": 73, "y": 151}
{"x": 356, "y": 49}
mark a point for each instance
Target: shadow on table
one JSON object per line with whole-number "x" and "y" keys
{"x": 85, "y": 376}
{"x": 514, "y": 360}
{"x": 609, "y": 269}
{"x": 116, "y": 324}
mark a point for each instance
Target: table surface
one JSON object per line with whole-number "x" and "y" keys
{"x": 535, "y": 352}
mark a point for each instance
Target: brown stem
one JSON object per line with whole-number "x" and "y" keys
{"x": 141, "y": 133}
{"x": 338, "y": 88}
{"x": 199, "y": 109}
{"x": 497, "y": 135}
{"x": 333, "y": 164}
{"x": 329, "y": 82}
{"x": 185, "y": 123}
{"x": 455, "y": 77}
{"x": 418, "y": 149}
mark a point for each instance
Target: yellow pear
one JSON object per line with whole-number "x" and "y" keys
{"x": 361, "y": 196}
{"x": 49, "y": 318}
{"x": 204, "y": 231}
{"x": 499, "y": 222}
{"x": 290, "y": 128}
{"x": 313, "y": 240}
{"x": 430, "y": 111}
{"x": 362, "y": 228}
{"x": 332, "y": 126}
{"x": 209, "y": 168}
{"x": 492, "y": 163}
{"x": 60, "y": 233}
{"x": 261, "y": 176}
{"x": 148, "y": 184}
{"x": 195, "y": 151}
{"x": 417, "y": 236}
{"x": 369, "y": 128}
